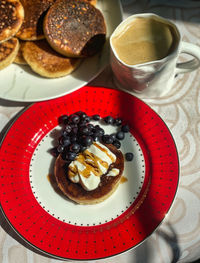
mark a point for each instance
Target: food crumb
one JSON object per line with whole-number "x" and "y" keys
{"x": 123, "y": 180}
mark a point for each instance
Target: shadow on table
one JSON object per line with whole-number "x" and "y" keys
{"x": 144, "y": 251}
{"x": 172, "y": 241}
{"x": 9, "y": 123}
{"x": 10, "y": 231}
{"x": 5, "y": 103}
{"x": 196, "y": 261}
{"x": 165, "y": 8}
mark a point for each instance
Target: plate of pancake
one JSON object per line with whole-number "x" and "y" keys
{"x": 50, "y": 48}
{"x": 68, "y": 228}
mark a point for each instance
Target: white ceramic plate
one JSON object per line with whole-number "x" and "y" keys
{"x": 20, "y": 83}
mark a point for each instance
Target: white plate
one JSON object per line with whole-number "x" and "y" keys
{"x": 20, "y": 83}
{"x": 66, "y": 211}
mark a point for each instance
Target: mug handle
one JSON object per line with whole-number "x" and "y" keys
{"x": 188, "y": 66}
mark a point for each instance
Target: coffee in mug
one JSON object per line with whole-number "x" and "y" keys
{"x": 144, "y": 53}
{"x": 144, "y": 40}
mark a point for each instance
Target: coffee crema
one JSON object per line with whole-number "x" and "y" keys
{"x": 143, "y": 40}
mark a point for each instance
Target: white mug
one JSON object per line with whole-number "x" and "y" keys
{"x": 155, "y": 78}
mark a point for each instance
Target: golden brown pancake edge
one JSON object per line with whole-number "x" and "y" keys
{"x": 47, "y": 62}
{"x": 75, "y": 192}
{"x": 8, "y": 52}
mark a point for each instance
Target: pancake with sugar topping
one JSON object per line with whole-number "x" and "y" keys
{"x": 8, "y": 52}
{"x": 47, "y": 62}
{"x": 11, "y": 18}
{"x": 75, "y": 28}
{"x": 93, "y": 176}
{"x": 34, "y": 10}
{"x": 93, "y": 2}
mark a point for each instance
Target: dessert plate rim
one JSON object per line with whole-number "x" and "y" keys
{"x": 154, "y": 138}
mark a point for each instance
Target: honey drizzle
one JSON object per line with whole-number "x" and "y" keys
{"x": 90, "y": 161}
{"x": 49, "y": 177}
{"x": 123, "y": 180}
{"x": 104, "y": 150}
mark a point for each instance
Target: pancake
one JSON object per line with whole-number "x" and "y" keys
{"x": 77, "y": 193}
{"x": 34, "y": 10}
{"x": 93, "y": 2}
{"x": 47, "y": 62}
{"x": 8, "y": 52}
{"x": 75, "y": 28}
{"x": 19, "y": 59}
{"x": 11, "y": 18}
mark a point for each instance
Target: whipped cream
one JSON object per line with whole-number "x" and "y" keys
{"x": 113, "y": 172}
{"x": 90, "y": 165}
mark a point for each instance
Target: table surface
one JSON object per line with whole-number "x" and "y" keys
{"x": 178, "y": 237}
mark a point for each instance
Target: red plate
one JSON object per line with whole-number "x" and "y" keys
{"x": 58, "y": 227}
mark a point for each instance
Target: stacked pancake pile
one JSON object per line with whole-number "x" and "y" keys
{"x": 11, "y": 19}
{"x": 51, "y": 36}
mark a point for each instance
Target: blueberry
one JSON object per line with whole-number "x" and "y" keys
{"x": 75, "y": 147}
{"x": 84, "y": 130}
{"x": 118, "y": 121}
{"x": 65, "y": 133}
{"x": 90, "y": 126}
{"x": 73, "y": 118}
{"x": 96, "y": 127}
{"x": 74, "y": 130}
{"x": 107, "y": 139}
{"x": 120, "y": 135}
{"x": 82, "y": 148}
{"x": 82, "y": 123}
{"x": 63, "y": 119}
{"x": 109, "y": 120}
{"x": 125, "y": 128}
{"x": 97, "y": 134}
{"x": 86, "y": 140}
{"x": 60, "y": 148}
{"x": 79, "y": 113}
{"x": 82, "y": 115}
{"x": 65, "y": 141}
{"x": 100, "y": 131}
{"x": 87, "y": 119}
{"x": 70, "y": 156}
{"x": 96, "y": 117}
{"x": 73, "y": 138}
{"x": 117, "y": 144}
{"x": 129, "y": 156}
{"x": 95, "y": 137}
{"x": 68, "y": 128}
{"x": 113, "y": 136}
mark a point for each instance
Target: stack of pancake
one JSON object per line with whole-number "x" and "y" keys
{"x": 51, "y": 36}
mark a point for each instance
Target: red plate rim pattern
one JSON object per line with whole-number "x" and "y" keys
{"x": 62, "y": 240}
